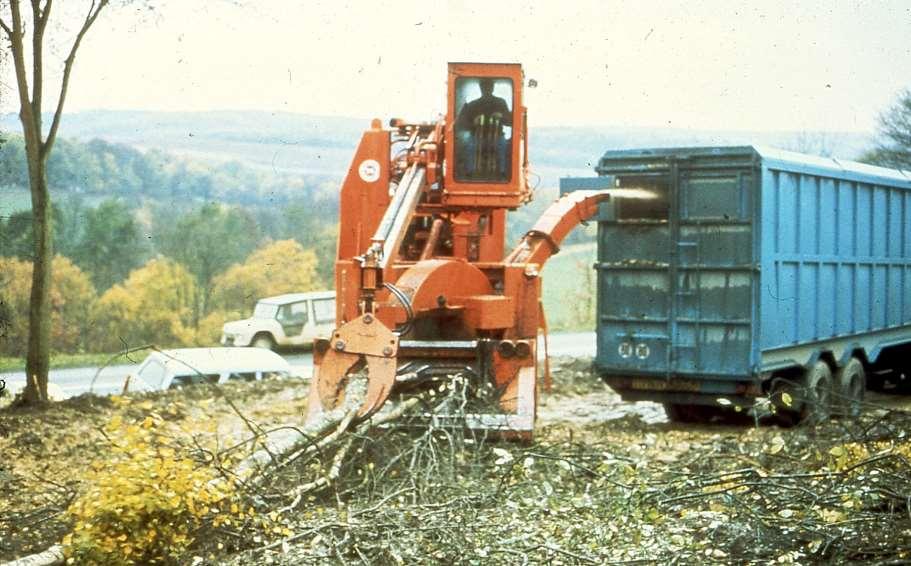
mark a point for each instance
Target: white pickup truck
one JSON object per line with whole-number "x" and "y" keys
{"x": 291, "y": 320}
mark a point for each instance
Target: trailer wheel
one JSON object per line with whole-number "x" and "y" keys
{"x": 787, "y": 401}
{"x": 807, "y": 399}
{"x": 817, "y": 393}
{"x": 850, "y": 386}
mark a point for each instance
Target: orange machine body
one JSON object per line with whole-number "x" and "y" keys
{"x": 425, "y": 287}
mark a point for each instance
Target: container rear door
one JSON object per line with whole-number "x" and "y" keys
{"x": 676, "y": 272}
{"x": 712, "y": 271}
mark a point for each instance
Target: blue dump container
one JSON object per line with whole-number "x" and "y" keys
{"x": 723, "y": 271}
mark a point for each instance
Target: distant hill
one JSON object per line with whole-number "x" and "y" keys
{"x": 323, "y": 146}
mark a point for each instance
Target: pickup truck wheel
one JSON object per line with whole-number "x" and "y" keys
{"x": 263, "y": 341}
{"x": 850, "y": 387}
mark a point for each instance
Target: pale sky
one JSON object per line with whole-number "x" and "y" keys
{"x": 813, "y": 65}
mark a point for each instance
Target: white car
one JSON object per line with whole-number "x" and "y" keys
{"x": 294, "y": 319}
{"x": 171, "y": 369}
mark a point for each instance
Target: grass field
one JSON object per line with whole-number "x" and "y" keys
{"x": 58, "y": 361}
{"x": 569, "y": 288}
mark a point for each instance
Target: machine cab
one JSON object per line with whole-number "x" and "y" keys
{"x": 485, "y": 136}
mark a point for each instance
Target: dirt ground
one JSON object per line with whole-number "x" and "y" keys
{"x": 641, "y": 486}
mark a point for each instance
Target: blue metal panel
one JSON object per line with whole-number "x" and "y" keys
{"x": 828, "y": 229}
{"x": 763, "y": 258}
{"x": 788, "y": 206}
{"x": 841, "y": 281}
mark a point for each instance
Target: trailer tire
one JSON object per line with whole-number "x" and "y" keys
{"x": 816, "y": 392}
{"x": 787, "y": 400}
{"x": 806, "y": 399}
{"x": 850, "y": 387}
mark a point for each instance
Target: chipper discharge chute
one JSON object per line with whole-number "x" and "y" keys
{"x": 425, "y": 288}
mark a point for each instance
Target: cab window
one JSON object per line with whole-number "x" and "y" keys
{"x": 295, "y": 313}
{"x": 483, "y": 129}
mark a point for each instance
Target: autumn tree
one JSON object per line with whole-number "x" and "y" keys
{"x": 72, "y": 301}
{"x": 313, "y": 225}
{"x": 893, "y": 146}
{"x": 153, "y": 306}
{"x": 29, "y": 64}
{"x": 277, "y": 268}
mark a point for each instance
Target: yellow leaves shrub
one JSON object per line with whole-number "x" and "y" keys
{"x": 846, "y": 456}
{"x": 145, "y": 504}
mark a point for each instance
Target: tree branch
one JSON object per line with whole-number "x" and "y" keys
{"x": 18, "y": 50}
{"x": 39, "y": 23}
{"x": 90, "y": 18}
{"x": 5, "y": 27}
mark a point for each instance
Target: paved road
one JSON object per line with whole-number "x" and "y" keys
{"x": 75, "y": 381}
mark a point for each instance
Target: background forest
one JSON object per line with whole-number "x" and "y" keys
{"x": 151, "y": 248}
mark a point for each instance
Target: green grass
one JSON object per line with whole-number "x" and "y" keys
{"x": 60, "y": 361}
{"x": 569, "y": 300}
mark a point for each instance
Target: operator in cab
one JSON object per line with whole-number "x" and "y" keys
{"x": 479, "y": 129}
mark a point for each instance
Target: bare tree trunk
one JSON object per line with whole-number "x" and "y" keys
{"x": 37, "y": 363}
{"x": 38, "y": 356}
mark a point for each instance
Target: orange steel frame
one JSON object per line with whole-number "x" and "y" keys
{"x": 438, "y": 286}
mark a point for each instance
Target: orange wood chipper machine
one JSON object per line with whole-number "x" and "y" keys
{"x": 425, "y": 289}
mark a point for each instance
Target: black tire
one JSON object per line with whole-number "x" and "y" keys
{"x": 850, "y": 388}
{"x": 787, "y": 402}
{"x": 816, "y": 392}
{"x": 807, "y": 400}
{"x": 263, "y": 341}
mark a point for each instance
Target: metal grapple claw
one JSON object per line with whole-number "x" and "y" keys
{"x": 362, "y": 342}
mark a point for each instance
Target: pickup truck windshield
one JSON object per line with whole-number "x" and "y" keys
{"x": 264, "y": 310}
